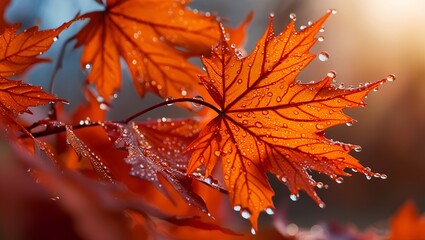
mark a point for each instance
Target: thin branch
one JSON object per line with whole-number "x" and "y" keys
{"x": 168, "y": 102}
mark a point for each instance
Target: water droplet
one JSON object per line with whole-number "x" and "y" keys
{"x": 253, "y": 232}
{"x": 331, "y": 74}
{"x": 324, "y": 56}
{"x": 169, "y": 99}
{"x": 258, "y": 124}
{"x": 246, "y": 214}
{"x": 322, "y": 205}
{"x": 358, "y": 149}
{"x": 293, "y": 197}
{"x": 319, "y": 126}
{"x": 103, "y": 106}
{"x": 339, "y": 180}
{"x": 198, "y": 105}
{"x": 349, "y": 124}
{"x": 390, "y": 77}
{"x": 319, "y": 185}
{"x": 55, "y": 39}
{"x": 302, "y": 27}
{"x": 321, "y": 38}
{"x": 269, "y": 211}
{"x": 87, "y": 66}
{"x": 333, "y": 11}
{"x": 217, "y": 153}
{"x": 368, "y": 177}
{"x": 237, "y": 208}
{"x": 184, "y": 93}
{"x": 293, "y": 16}
{"x": 208, "y": 180}
{"x": 383, "y": 176}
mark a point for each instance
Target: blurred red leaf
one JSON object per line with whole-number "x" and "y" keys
{"x": 269, "y": 122}
{"x": 407, "y": 223}
{"x": 3, "y": 22}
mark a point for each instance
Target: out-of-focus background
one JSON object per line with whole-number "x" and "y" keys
{"x": 366, "y": 41}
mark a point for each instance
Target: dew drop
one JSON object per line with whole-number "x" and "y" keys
{"x": 383, "y": 176}
{"x": 349, "y": 124}
{"x": 258, "y": 124}
{"x": 246, "y": 214}
{"x": 293, "y": 197}
{"x": 368, "y": 177}
{"x": 293, "y": 16}
{"x": 339, "y": 180}
{"x": 358, "y": 149}
{"x": 184, "y": 92}
{"x": 390, "y": 77}
{"x": 237, "y": 208}
{"x": 253, "y": 232}
{"x": 321, "y": 38}
{"x": 331, "y": 74}
{"x": 269, "y": 211}
{"x": 333, "y": 11}
{"x": 319, "y": 126}
{"x": 217, "y": 153}
{"x": 284, "y": 179}
{"x": 169, "y": 99}
{"x": 322, "y": 205}
{"x": 87, "y": 66}
{"x": 103, "y": 106}
{"x": 302, "y": 27}
{"x": 198, "y": 105}
{"x": 319, "y": 185}
{"x": 324, "y": 56}
{"x": 55, "y": 39}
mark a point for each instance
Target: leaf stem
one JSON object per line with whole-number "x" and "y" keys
{"x": 171, "y": 101}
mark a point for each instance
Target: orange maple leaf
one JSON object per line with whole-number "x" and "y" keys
{"x": 18, "y": 52}
{"x": 407, "y": 224}
{"x": 154, "y": 38}
{"x": 269, "y": 122}
{"x": 16, "y": 97}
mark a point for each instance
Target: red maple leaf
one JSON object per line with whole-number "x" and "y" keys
{"x": 268, "y": 122}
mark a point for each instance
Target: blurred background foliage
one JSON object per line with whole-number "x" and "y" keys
{"x": 366, "y": 40}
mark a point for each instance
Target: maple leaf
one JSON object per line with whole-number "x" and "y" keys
{"x": 154, "y": 38}
{"x": 155, "y": 155}
{"x": 16, "y": 97}
{"x": 268, "y": 122}
{"x": 3, "y": 22}
{"x": 407, "y": 224}
{"x": 18, "y": 52}
{"x": 83, "y": 150}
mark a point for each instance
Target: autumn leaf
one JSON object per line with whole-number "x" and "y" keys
{"x": 16, "y": 97}
{"x": 3, "y": 22}
{"x": 154, "y": 38}
{"x": 18, "y": 52}
{"x": 159, "y": 155}
{"x": 268, "y": 122}
{"x": 407, "y": 224}
{"x": 83, "y": 150}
